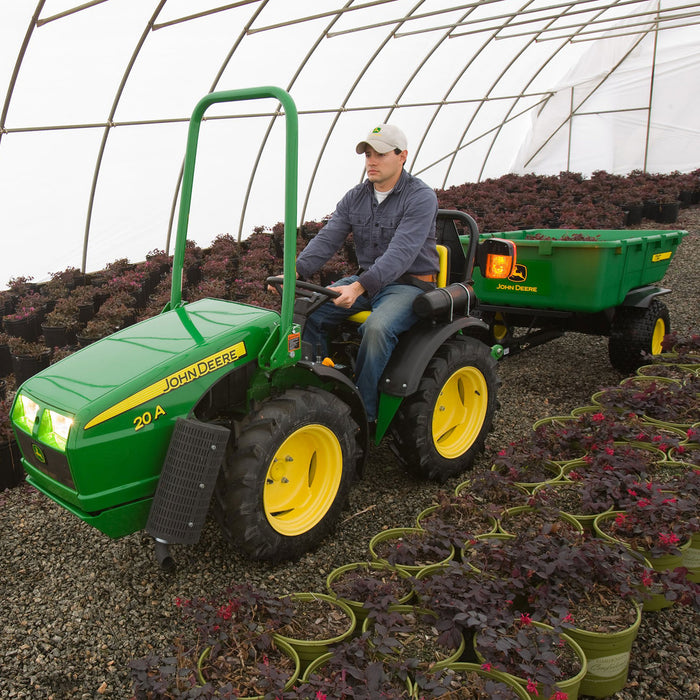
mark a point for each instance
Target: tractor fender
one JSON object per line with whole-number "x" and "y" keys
{"x": 416, "y": 348}
{"x": 643, "y": 296}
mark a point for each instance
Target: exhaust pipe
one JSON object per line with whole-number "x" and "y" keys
{"x": 163, "y": 556}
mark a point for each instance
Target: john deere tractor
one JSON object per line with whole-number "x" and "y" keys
{"x": 220, "y": 401}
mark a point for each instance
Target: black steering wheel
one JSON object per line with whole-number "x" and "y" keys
{"x": 319, "y": 294}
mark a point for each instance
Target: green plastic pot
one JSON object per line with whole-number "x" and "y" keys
{"x": 398, "y": 533}
{"x": 310, "y": 649}
{"x": 607, "y": 657}
{"x": 357, "y": 606}
{"x": 316, "y": 666}
{"x": 553, "y": 468}
{"x": 659, "y": 563}
{"x": 512, "y": 514}
{"x": 283, "y": 646}
{"x": 467, "y": 667}
{"x": 427, "y": 512}
{"x": 584, "y": 519}
{"x": 450, "y": 657}
{"x": 691, "y": 559}
{"x": 570, "y": 686}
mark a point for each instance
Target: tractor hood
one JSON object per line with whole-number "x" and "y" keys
{"x": 152, "y": 351}
{"x": 94, "y": 428}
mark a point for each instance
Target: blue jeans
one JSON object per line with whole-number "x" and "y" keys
{"x": 392, "y": 314}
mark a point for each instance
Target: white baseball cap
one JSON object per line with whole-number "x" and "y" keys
{"x": 384, "y": 138}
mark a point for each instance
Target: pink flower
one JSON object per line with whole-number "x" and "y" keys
{"x": 320, "y": 695}
{"x": 568, "y": 618}
{"x": 620, "y": 519}
{"x": 647, "y": 579}
{"x": 531, "y": 687}
{"x": 632, "y": 492}
{"x": 502, "y": 453}
{"x": 598, "y": 417}
{"x": 525, "y": 619}
{"x": 560, "y": 695}
{"x": 642, "y": 502}
{"x": 609, "y": 451}
{"x": 486, "y": 666}
{"x": 668, "y": 538}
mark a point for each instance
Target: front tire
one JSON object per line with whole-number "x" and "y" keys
{"x": 635, "y": 333}
{"x": 286, "y": 481}
{"x": 439, "y": 430}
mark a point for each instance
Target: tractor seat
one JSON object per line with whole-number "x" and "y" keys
{"x": 443, "y": 257}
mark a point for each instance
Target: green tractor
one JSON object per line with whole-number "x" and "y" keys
{"x": 218, "y": 400}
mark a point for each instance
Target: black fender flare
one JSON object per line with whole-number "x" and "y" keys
{"x": 643, "y": 296}
{"x": 416, "y": 347}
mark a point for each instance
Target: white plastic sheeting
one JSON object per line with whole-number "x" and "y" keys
{"x": 96, "y": 98}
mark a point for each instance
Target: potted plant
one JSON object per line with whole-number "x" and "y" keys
{"x": 233, "y": 651}
{"x": 525, "y": 465}
{"x": 546, "y": 661}
{"x": 364, "y": 584}
{"x": 655, "y": 523}
{"x": 318, "y": 622}
{"x": 411, "y": 632}
{"x": 470, "y": 680}
{"x": 28, "y": 358}
{"x": 5, "y": 356}
{"x": 11, "y": 472}
{"x": 410, "y": 548}
{"x": 457, "y": 517}
{"x": 353, "y": 670}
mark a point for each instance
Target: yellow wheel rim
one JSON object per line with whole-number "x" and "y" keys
{"x": 499, "y": 328}
{"x": 303, "y": 480}
{"x": 459, "y": 412}
{"x": 658, "y": 336}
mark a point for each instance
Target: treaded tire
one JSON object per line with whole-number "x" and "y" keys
{"x": 635, "y": 333}
{"x": 278, "y": 509}
{"x": 439, "y": 430}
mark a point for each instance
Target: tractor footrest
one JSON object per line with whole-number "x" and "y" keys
{"x": 187, "y": 481}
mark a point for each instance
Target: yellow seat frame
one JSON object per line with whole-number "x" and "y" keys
{"x": 443, "y": 257}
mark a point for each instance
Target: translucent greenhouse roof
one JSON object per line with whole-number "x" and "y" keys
{"x": 97, "y": 96}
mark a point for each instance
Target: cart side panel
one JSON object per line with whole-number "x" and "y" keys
{"x": 579, "y": 275}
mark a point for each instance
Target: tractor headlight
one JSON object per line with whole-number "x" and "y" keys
{"x": 25, "y": 412}
{"x": 54, "y": 429}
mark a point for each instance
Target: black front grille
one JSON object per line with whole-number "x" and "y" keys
{"x": 56, "y": 464}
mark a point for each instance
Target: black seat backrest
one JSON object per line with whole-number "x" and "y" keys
{"x": 447, "y": 234}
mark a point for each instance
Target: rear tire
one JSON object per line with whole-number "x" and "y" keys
{"x": 439, "y": 430}
{"x": 284, "y": 484}
{"x": 635, "y": 333}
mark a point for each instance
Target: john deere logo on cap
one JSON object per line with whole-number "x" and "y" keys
{"x": 376, "y": 129}
{"x": 38, "y": 453}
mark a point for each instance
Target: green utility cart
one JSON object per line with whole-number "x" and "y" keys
{"x": 589, "y": 281}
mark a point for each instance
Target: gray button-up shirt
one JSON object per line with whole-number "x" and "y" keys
{"x": 391, "y": 239}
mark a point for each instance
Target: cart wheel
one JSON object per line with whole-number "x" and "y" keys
{"x": 440, "y": 428}
{"x": 284, "y": 484}
{"x": 636, "y": 332}
{"x": 499, "y": 330}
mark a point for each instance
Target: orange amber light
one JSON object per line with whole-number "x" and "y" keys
{"x": 498, "y": 266}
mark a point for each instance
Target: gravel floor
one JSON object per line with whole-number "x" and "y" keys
{"x": 76, "y": 606}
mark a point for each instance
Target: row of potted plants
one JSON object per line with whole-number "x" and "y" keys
{"x": 568, "y": 200}
{"x": 503, "y": 589}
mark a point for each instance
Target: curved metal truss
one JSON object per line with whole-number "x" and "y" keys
{"x": 469, "y": 77}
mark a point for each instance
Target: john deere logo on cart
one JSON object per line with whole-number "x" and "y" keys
{"x": 38, "y": 453}
{"x": 519, "y": 274}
